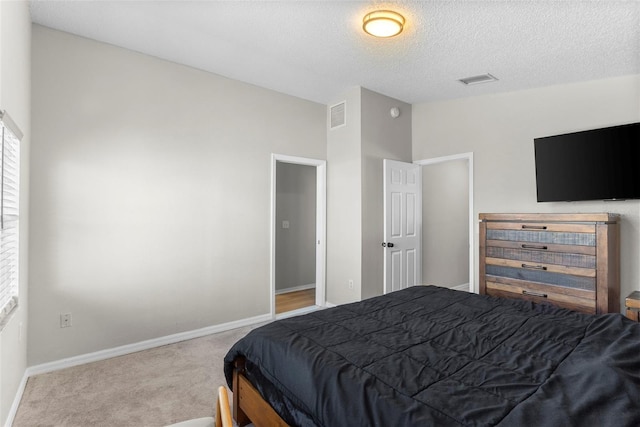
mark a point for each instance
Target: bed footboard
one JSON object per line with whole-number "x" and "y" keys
{"x": 248, "y": 405}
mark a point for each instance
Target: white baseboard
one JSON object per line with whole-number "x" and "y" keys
{"x": 329, "y": 304}
{"x": 295, "y": 288}
{"x": 298, "y": 312}
{"x": 16, "y": 400}
{"x": 463, "y": 287}
{"x": 142, "y": 345}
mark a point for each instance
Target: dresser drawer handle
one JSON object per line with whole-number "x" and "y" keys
{"x": 544, "y": 248}
{"x": 534, "y": 227}
{"x": 534, "y": 294}
{"x": 534, "y": 267}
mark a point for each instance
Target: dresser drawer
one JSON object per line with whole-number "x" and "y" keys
{"x": 554, "y": 267}
{"x": 543, "y": 227}
{"x": 587, "y": 283}
{"x": 543, "y": 257}
{"x": 570, "y": 298}
{"x": 542, "y": 247}
{"x": 543, "y": 237}
{"x": 633, "y": 315}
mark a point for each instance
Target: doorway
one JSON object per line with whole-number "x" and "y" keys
{"x": 448, "y": 217}
{"x": 298, "y": 250}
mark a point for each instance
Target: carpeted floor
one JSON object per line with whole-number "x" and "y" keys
{"x": 154, "y": 387}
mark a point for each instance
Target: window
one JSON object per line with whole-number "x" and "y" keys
{"x": 9, "y": 215}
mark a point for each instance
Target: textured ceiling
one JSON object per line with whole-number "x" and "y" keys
{"x": 316, "y": 49}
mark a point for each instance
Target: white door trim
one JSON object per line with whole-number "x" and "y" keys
{"x": 472, "y": 223}
{"x": 321, "y": 225}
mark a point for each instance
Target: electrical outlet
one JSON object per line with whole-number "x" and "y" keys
{"x": 65, "y": 320}
{"x": 350, "y": 284}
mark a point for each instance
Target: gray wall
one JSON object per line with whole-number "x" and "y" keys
{"x": 445, "y": 223}
{"x": 15, "y": 97}
{"x": 383, "y": 137}
{"x": 150, "y": 194}
{"x": 344, "y": 205}
{"x": 354, "y": 199}
{"x": 295, "y": 246}
{"x": 500, "y": 129}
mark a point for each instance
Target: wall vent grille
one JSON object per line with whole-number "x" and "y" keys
{"x": 338, "y": 115}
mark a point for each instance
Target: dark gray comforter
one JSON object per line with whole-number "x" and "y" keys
{"x": 429, "y": 356}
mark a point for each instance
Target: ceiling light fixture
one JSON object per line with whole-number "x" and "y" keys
{"x": 383, "y": 23}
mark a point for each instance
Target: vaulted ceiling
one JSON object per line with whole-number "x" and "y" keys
{"x": 316, "y": 49}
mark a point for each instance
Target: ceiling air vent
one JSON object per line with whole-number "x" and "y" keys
{"x": 484, "y": 78}
{"x": 338, "y": 115}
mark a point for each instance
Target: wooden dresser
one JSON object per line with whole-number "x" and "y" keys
{"x": 569, "y": 260}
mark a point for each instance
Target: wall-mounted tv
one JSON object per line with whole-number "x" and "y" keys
{"x": 598, "y": 164}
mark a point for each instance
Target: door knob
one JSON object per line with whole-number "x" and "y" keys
{"x": 388, "y": 245}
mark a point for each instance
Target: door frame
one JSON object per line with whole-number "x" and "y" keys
{"x": 321, "y": 224}
{"x": 469, "y": 158}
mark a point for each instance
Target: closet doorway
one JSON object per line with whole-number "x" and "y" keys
{"x": 448, "y": 222}
{"x": 298, "y": 233}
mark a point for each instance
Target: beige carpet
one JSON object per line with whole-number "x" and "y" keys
{"x": 154, "y": 387}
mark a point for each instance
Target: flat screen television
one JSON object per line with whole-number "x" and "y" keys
{"x": 598, "y": 164}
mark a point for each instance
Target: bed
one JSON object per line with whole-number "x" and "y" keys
{"x": 433, "y": 356}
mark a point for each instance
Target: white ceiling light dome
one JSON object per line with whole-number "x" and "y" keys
{"x": 383, "y": 23}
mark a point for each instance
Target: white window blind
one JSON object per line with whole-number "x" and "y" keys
{"x": 9, "y": 215}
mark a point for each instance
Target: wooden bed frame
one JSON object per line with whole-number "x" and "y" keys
{"x": 248, "y": 405}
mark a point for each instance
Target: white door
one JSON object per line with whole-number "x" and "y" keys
{"x": 402, "y": 225}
